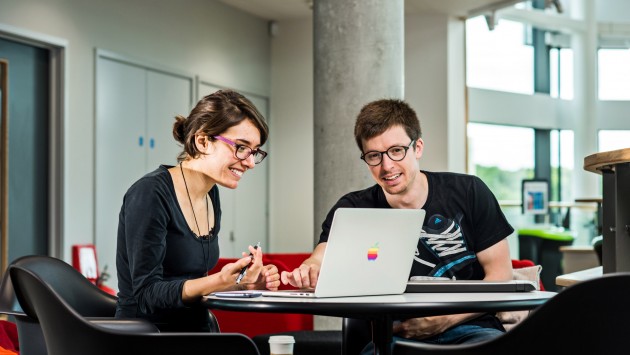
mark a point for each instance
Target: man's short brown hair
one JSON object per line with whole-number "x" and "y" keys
{"x": 378, "y": 116}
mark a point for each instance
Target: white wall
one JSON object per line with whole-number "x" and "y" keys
{"x": 206, "y": 38}
{"x": 291, "y": 177}
{"x": 426, "y": 84}
{"x": 435, "y": 88}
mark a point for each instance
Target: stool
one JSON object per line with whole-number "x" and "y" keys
{"x": 307, "y": 342}
{"x": 542, "y": 246}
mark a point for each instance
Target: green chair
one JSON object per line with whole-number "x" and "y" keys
{"x": 542, "y": 246}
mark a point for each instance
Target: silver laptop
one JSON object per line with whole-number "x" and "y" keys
{"x": 369, "y": 252}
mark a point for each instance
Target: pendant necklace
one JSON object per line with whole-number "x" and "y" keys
{"x": 206, "y": 256}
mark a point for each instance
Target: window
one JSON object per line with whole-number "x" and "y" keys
{"x": 562, "y": 165}
{"x": 503, "y": 156}
{"x": 499, "y": 59}
{"x": 501, "y": 169}
{"x": 561, "y": 73}
{"x": 613, "y": 140}
{"x": 614, "y": 74}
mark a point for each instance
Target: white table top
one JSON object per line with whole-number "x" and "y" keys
{"x": 450, "y": 297}
{"x": 418, "y": 304}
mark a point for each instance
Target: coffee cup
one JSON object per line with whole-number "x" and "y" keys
{"x": 281, "y": 344}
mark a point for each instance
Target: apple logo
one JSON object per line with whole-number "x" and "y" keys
{"x": 373, "y": 252}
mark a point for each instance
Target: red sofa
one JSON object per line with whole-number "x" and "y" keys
{"x": 254, "y": 323}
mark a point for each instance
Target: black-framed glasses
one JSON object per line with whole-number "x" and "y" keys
{"x": 395, "y": 153}
{"x": 243, "y": 152}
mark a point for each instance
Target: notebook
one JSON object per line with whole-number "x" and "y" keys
{"x": 369, "y": 252}
{"x": 428, "y": 285}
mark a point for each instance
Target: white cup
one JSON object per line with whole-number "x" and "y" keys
{"x": 281, "y": 344}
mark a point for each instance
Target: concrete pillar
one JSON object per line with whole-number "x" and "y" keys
{"x": 358, "y": 57}
{"x": 584, "y": 44}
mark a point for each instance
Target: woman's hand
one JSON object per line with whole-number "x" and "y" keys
{"x": 253, "y": 266}
{"x": 257, "y": 275}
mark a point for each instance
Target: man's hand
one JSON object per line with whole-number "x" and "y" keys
{"x": 269, "y": 278}
{"x": 304, "y": 276}
{"x": 426, "y": 327}
{"x": 307, "y": 274}
{"x": 420, "y": 328}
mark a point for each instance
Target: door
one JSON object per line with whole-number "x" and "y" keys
{"x": 168, "y": 95}
{"x": 28, "y": 113}
{"x": 136, "y": 107}
{"x": 120, "y": 150}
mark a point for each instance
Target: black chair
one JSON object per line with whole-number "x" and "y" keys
{"x": 88, "y": 299}
{"x": 30, "y": 336}
{"x": 590, "y": 317}
{"x": 42, "y": 295}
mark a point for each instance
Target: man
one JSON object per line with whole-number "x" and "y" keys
{"x": 464, "y": 235}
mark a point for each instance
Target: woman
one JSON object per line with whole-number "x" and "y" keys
{"x": 170, "y": 219}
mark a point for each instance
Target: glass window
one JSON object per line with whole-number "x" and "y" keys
{"x": 562, "y": 163}
{"x": 499, "y": 59}
{"x": 501, "y": 156}
{"x": 561, "y": 73}
{"x": 614, "y": 74}
{"x": 613, "y": 140}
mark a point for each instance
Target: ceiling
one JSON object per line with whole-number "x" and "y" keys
{"x": 295, "y": 9}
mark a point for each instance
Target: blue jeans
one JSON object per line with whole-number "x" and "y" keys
{"x": 461, "y": 334}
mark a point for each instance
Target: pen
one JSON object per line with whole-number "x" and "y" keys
{"x": 244, "y": 269}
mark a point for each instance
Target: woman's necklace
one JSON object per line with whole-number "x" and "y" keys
{"x": 206, "y": 256}
{"x": 206, "y": 236}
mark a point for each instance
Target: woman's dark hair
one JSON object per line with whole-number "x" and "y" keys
{"x": 213, "y": 115}
{"x": 378, "y": 116}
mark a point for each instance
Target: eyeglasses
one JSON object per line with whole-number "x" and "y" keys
{"x": 395, "y": 153}
{"x": 243, "y": 152}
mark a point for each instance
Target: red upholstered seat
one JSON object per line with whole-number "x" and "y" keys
{"x": 517, "y": 264}
{"x": 254, "y": 323}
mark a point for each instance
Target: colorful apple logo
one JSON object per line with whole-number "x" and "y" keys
{"x": 373, "y": 252}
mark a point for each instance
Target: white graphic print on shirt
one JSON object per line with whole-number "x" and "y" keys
{"x": 443, "y": 237}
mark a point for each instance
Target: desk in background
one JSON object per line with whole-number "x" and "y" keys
{"x": 575, "y": 277}
{"x": 614, "y": 166}
{"x": 576, "y": 258}
{"x": 382, "y": 310}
